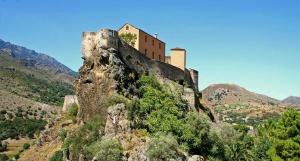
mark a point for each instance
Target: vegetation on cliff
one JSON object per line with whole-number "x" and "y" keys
{"x": 162, "y": 115}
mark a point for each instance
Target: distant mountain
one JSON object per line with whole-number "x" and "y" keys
{"x": 292, "y": 100}
{"x": 232, "y": 94}
{"x": 34, "y": 59}
{"x": 34, "y": 76}
{"x": 234, "y": 104}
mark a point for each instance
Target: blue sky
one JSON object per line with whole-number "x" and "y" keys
{"x": 252, "y": 43}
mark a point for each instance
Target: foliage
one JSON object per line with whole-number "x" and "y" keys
{"x": 20, "y": 127}
{"x": 106, "y": 149}
{"x": 4, "y": 157}
{"x": 49, "y": 92}
{"x": 26, "y": 146}
{"x": 3, "y": 146}
{"x": 280, "y": 140}
{"x": 129, "y": 38}
{"x": 72, "y": 112}
{"x": 57, "y": 156}
{"x": 162, "y": 147}
{"x": 117, "y": 99}
{"x": 161, "y": 110}
{"x": 62, "y": 134}
{"x": 90, "y": 132}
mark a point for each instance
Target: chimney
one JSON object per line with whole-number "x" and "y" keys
{"x": 155, "y": 35}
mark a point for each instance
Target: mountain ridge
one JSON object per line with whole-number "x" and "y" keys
{"x": 35, "y": 59}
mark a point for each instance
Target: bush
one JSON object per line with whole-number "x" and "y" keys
{"x": 117, "y": 99}
{"x": 90, "y": 132}
{"x": 63, "y": 134}
{"x": 26, "y": 146}
{"x": 20, "y": 127}
{"x": 72, "y": 112}
{"x": 57, "y": 156}
{"x": 280, "y": 139}
{"x": 106, "y": 149}
{"x": 3, "y": 112}
{"x": 4, "y": 157}
{"x": 3, "y": 147}
{"x": 162, "y": 148}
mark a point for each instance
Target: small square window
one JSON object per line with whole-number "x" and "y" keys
{"x": 146, "y": 38}
{"x": 145, "y": 51}
{"x": 127, "y": 27}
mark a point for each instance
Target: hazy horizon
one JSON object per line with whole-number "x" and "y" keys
{"x": 253, "y": 44}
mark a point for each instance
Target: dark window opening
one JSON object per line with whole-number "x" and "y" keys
{"x": 146, "y": 38}
{"x": 127, "y": 27}
{"x": 145, "y": 51}
{"x": 152, "y": 55}
{"x": 159, "y": 46}
{"x": 159, "y": 57}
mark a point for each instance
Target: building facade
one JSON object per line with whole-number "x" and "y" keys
{"x": 145, "y": 43}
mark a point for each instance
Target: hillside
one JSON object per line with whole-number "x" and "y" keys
{"x": 34, "y": 59}
{"x": 32, "y": 87}
{"x": 292, "y": 100}
{"x": 235, "y": 104}
{"x": 33, "y": 83}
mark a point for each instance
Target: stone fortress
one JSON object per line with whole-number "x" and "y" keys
{"x": 154, "y": 48}
{"x": 111, "y": 65}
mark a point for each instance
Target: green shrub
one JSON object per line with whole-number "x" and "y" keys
{"x": 57, "y": 156}
{"x": 3, "y": 112}
{"x": 129, "y": 38}
{"x": 62, "y": 134}
{"x": 106, "y": 149}
{"x": 280, "y": 139}
{"x": 162, "y": 148}
{"x": 26, "y": 146}
{"x": 3, "y": 147}
{"x": 4, "y": 157}
{"x": 90, "y": 132}
{"x": 20, "y": 127}
{"x": 72, "y": 112}
{"x": 117, "y": 99}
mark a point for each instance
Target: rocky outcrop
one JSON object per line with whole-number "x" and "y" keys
{"x": 69, "y": 100}
{"x": 117, "y": 122}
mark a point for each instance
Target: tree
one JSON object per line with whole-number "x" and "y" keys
{"x": 281, "y": 139}
{"x": 129, "y": 38}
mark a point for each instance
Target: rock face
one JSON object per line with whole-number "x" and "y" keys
{"x": 69, "y": 100}
{"x": 117, "y": 122}
{"x": 112, "y": 66}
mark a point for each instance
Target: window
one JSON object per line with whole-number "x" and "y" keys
{"x": 145, "y": 51}
{"x": 152, "y": 55}
{"x": 159, "y": 57}
{"x": 159, "y": 45}
{"x": 146, "y": 38}
{"x": 152, "y": 42}
{"x": 127, "y": 27}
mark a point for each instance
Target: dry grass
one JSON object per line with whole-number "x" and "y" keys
{"x": 45, "y": 152}
{"x": 14, "y": 146}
